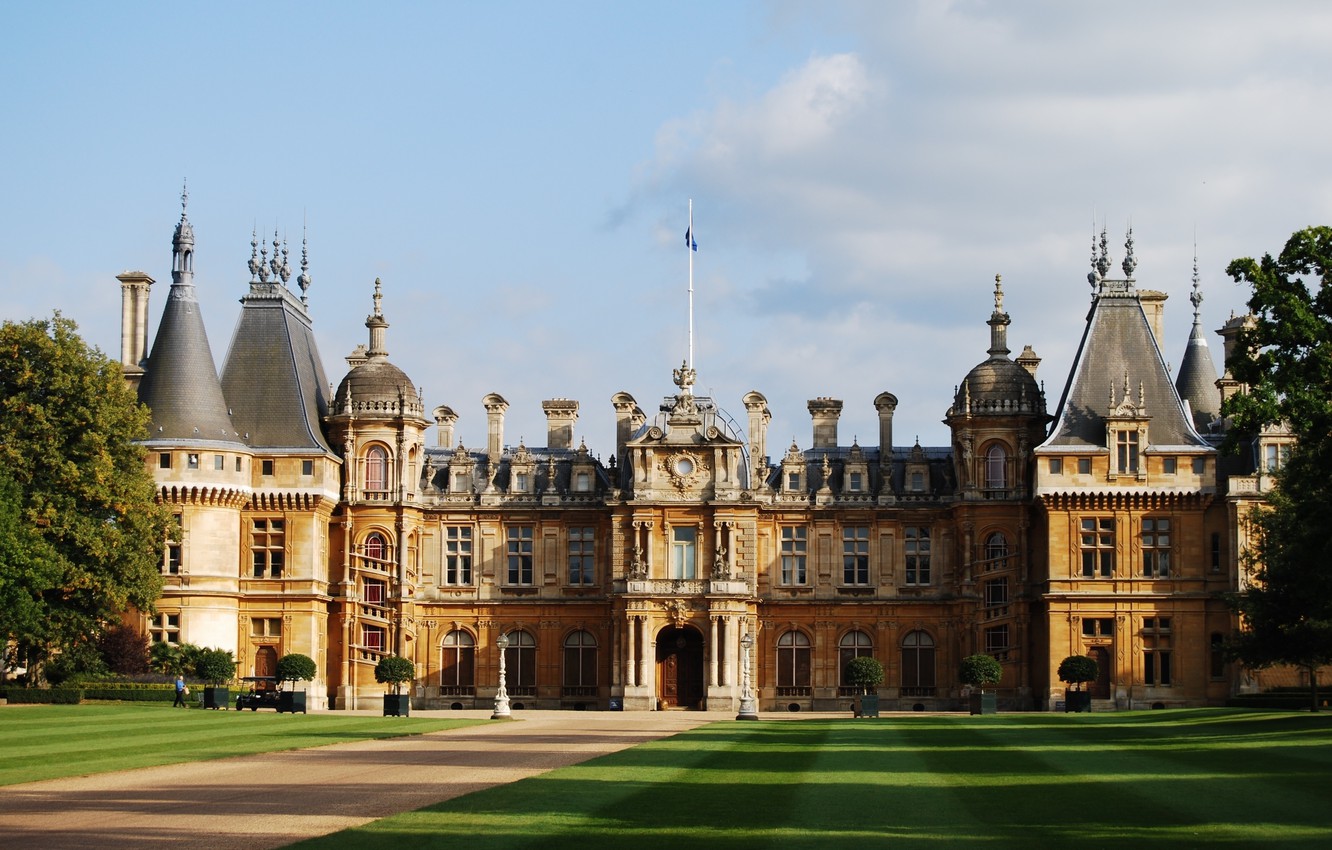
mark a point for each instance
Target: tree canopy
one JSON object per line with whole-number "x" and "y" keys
{"x": 81, "y": 534}
{"x": 1285, "y": 357}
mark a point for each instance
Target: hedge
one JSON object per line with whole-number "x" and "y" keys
{"x": 130, "y": 693}
{"x": 48, "y": 696}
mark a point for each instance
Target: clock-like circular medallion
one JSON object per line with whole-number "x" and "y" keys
{"x": 684, "y": 466}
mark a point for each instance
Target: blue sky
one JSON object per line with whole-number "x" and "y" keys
{"x": 518, "y": 175}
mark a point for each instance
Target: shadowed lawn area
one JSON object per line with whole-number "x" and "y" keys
{"x": 51, "y": 741}
{"x": 1194, "y": 778}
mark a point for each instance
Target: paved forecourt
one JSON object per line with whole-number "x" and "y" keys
{"x": 273, "y": 799}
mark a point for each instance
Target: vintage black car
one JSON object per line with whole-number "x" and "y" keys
{"x": 262, "y": 692}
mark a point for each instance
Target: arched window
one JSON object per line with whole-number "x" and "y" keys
{"x": 996, "y": 467}
{"x": 852, "y": 645}
{"x": 917, "y": 664}
{"x": 457, "y": 664}
{"x": 376, "y": 469}
{"x": 520, "y": 664}
{"x": 376, "y": 551}
{"x": 793, "y": 665}
{"x": 580, "y": 664}
{"x": 996, "y": 551}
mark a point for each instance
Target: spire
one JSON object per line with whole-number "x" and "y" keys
{"x": 1130, "y": 262}
{"x": 375, "y": 322}
{"x": 999, "y": 322}
{"x": 1196, "y": 383}
{"x": 303, "y": 279}
{"x": 182, "y": 245}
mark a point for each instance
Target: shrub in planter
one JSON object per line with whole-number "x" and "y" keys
{"x": 1077, "y": 671}
{"x": 395, "y": 671}
{"x": 294, "y": 667}
{"x": 978, "y": 671}
{"x": 217, "y": 668}
{"x": 865, "y": 673}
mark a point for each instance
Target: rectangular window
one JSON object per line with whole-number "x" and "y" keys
{"x": 307, "y": 468}
{"x": 192, "y": 460}
{"x": 996, "y": 640}
{"x": 996, "y": 592}
{"x": 1098, "y": 627}
{"x": 1084, "y": 466}
{"x": 238, "y": 463}
{"x": 372, "y": 592}
{"x": 267, "y": 467}
{"x": 267, "y": 547}
{"x": 1056, "y": 466}
{"x": 793, "y": 481}
{"x": 1216, "y": 552}
{"x": 519, "y": 540}
{"x": 855, "y": 554}
{"x": 917, "y": 482}
{"x": 266, "y": 627}
{"x": 164, "y": 460}
{"x": 172, "y": 556}
{"x": 917, "y": 555}
{"x": 1199, "y": 465}
{"x": 1155, "y": 547}
{"x": 372, "y": 638}
{"x": 795, "y": 540}
{"x": 520, "y": 483}
{"x": 581, "y": 552}
{"x": 165, "y": 628}
{"x": 1098, "y": 547}
{"x": 1275, "y": 456}
{"x": 582, "y": 482}
{"x": 684, "y": 553}
{"x": 1126, "y": 444}
{"x": 1156, "y": 651}
{"x": 219, "y": 462}
{"x": 1168, "y": 465}
{"x": 457, "y": 554}
{"x": 856, "y": 482}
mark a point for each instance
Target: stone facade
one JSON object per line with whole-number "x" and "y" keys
{"x": 1107, "y": 526}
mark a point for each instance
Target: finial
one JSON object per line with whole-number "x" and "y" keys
{"x": 1196, "y": 296}
{"x": 286, "y": 266}
{"x": 263, "y": 263}
{"x": 1103, "y": 262}
{"x": 1130, "y": 262}
{"x": 254, "y": 256}
{"x": 184, "y": 196}
{"x": 275, "y": 264}
{"x": 379, "y": 296}
{"x": 998, "y": 294}
{"x": 303, "y": 279}
{"x": 1093, "y": 276}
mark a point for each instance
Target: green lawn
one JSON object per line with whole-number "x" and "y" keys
{"x": 50, "y": 741}
{"x": 1199, "y": 778}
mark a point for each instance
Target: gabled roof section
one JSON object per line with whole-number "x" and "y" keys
{"x": 273, "y": 377}
{"x": 1118, "y": 346}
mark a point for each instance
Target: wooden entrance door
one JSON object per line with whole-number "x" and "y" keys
{"x": 1100, "y": 689}
{"x": 265, "y": 661}
{"x": 680, "y": 668}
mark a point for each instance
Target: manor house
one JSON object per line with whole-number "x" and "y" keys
{"x": 333, "y": 523}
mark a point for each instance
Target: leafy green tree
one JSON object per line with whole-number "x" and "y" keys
{"x": 215, "y": 666}
{"x": 1285, "y": 358}
{"x": 84, "y": 534}
{"x": 864, "y": 672}
{"x": 124, "y": 650}
{"x": 395, "y": 671}
{"x": 980, "y": 670}
{"x": 296, "y": 667}
{"x": 1078, "y": 670}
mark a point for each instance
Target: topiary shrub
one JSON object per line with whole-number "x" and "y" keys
{"x": 294, "y": 666}
{"x": 215, "y": 666}
{"x": 1077, "y": 671}
{"x": 394, "y": 671}
{"x": 864, "y": 672}
{"x": 980, "y": 670}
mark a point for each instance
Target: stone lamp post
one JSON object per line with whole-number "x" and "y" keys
{"x": 502, "y": 695}
{"x": 748, "y": 708}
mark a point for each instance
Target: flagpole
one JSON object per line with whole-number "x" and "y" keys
{"x": 689, "y": 247}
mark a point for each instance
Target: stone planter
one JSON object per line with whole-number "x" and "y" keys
{"x": 397, "y": 705}
{"x": 866, "y": 705}
{"x": 216, "y": 697}
{"x": 291, "y": 702}
{"x": 1077, "y": 701}
{"x": 983, "y": 703}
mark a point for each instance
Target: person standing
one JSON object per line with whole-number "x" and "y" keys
{"x": 180, "y": 691}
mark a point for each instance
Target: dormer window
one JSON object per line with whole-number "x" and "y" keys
{"x": 1126, "y": 454}
{"x": 582, "y": 482}
{"x": 855, "y": 482}
{"x": 520, "y": 483}
{"x": 793, "y": 481}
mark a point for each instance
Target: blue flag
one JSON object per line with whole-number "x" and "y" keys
{"x": 689, "y": 239}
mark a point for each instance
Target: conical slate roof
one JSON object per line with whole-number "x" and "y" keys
{"x": 1196, "y": 383}
{"x": 180, "y": 384}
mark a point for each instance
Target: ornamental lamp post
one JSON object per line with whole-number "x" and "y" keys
{"x": 748, "y": 709}
{"x": 502, "y": 695}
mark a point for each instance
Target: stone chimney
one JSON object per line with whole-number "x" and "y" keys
{"x": 759, "y": 417}
{"x": 444, "y": 422}
{"x": 1029, "y": 360}
{"x": 495, "y": 407}
{"x": 886, "y": 404}
{"x": 825, "y": 412}
{"x": 561, "y": 414}
{"x": 624, "y": 421}
{"x": 1153, "y": 304}
{"x": 133, "y": 324}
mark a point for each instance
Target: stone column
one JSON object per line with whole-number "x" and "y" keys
{"x": 712, "y": 653}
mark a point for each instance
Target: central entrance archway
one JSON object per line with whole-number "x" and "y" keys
{"x": 680, "y": 667}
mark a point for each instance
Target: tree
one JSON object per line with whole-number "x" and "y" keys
{"x": 1078, "y": 670}
{"x": 294, "y": 666}
{"x": 1284, "y": 356}
{"x": 215, "y": 666}
{"x": 84, "y": 533}
{"x": 124, "y": 650}
{"x": 394, "y": 671}
{"x": 864, "y": 672}
{"x": 980, "y": 670}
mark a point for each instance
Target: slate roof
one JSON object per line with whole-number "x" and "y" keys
{"x": 1118, "y": 340}
{"x": 180, "y": 384}
{"x": 273, "y": 377}
{"x": 1196, "y": 383}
